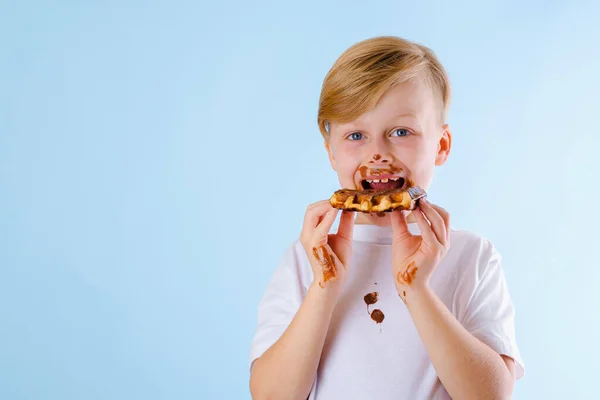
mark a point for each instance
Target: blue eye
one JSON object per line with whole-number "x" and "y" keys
{"x": 401, "y": 132}
{"x": 355, "y": 136}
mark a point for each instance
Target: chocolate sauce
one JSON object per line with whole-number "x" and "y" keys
{"x": 371, "y": 298}
{"x": 377, "y": 316}
{"x": 363, "y": 171}
{"x": 327, "y": 262}
{"x": 408, "y": 276}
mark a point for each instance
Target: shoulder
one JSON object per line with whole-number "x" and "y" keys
{"x": 471, "y": 274}
{"x": 468, "y": 241}
{"x": 293, "y": 264}
{"x": 293, "y": 255}
{"x": 473, "y": 253}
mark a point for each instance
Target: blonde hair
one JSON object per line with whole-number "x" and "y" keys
{"x": 366, "y": 70}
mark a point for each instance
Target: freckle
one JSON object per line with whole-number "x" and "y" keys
{"x": 404, "y": 293}
{"x": 376, "y": 157}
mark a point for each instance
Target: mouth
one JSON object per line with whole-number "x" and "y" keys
{"x": 383, "y": 183}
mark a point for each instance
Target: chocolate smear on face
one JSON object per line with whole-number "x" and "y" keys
{"x": 363, "y": 171}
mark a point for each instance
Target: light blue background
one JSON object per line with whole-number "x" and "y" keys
{"x": 132, "y": 255}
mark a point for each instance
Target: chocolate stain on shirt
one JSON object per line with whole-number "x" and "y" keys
{"x": 377, "y": 316}
{"x": 371, "y": 298}
{"x": 327, "y": 262}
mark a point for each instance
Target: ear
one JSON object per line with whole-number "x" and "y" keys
{"x": 330, "y": 154}
{"x": 444, "y": 146}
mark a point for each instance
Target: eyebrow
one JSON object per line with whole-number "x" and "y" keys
{"x": 411, "y": 115}
{"x": 394, "y": 117}
{"x": 353, "y": 124}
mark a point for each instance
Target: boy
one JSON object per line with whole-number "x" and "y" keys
{"x": 405, "y": 307}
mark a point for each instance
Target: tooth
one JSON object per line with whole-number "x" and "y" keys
{"x": 394, "y": 179}
{"x": 384, "y": 180}
{"x": 370, "y": 181}
{"x": 376, "y": 180}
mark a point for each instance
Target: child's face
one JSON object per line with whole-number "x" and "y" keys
{"x": 402, "y": 140}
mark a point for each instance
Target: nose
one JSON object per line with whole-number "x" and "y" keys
{"x": 379, "y": 152}
{"x": 380, "y": 159}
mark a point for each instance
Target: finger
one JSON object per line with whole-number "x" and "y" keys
{"x": 426, "y": 230}
{"x": 346, "y": 227}
{"x": 445, "y": 216}
{"x": 325, "y": 226}
{"x": 437, "y": 222}
{"x": 399, "y": 225}
{"x": 315, "y": 213}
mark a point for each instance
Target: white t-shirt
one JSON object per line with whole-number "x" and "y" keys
{"x": 362, "y": 359}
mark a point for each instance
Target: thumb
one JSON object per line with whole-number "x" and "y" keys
{"x": 346, "y": 227}
{"x": 341, "y": 247}
{"x": 399, "y": 226}
{"x": 325, "y": 225}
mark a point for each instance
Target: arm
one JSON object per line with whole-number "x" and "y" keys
{"x": 467, "y": 368}
{"x": 287, "y": 369}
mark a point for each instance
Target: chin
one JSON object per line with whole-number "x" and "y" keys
{"x": 374, "y": 219}
{"x": 381, "y": 221}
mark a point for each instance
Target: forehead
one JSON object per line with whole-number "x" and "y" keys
{"x": 412, "y": 98}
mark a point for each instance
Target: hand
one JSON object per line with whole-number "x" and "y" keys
{"x": 329, "y": 254}
{"x": 415, "y": 257}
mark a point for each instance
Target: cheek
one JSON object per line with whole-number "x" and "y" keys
{"x": 347, "y": 165}
{"x": 348, "y": 156}
{"x": 417, "y": 158}
{"x": 347, "y": 168}
{"x": 422, "y": 165}
{"x": 417, "y": 152}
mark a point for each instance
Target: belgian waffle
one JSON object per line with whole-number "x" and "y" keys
{"x": 376, "y": 201}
